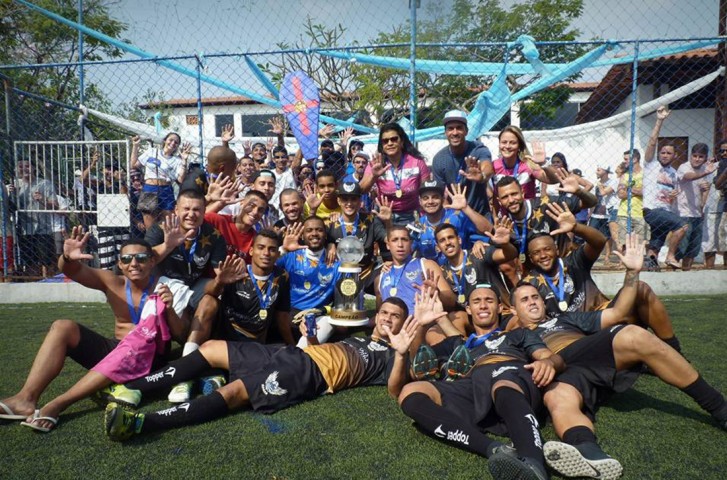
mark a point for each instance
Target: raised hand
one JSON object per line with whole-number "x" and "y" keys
{"x": 270, "y": 144}
{"x": 538, "y": 152}
{"x": 472, "y": 172}
{"x": 185, "y": 151}
{"x": 230, "y": 270}
{"x": 503, "y": 229}
{"x": 311, "y": 196}
{"x": 277, "y": 125}
{"x": 662, "y": 113}
{"x": 385, "y": 213}
{"x": 430, "y": 280}
{"x": 222, "y": 189}
{"x": 457, "y": 196}
{"x": 569, "y": 181}
{"x": 561, "y": 214}
{"x": 247, "y": 147}
{"x": 292, "y": 235}
{"x": 75, "y": 244}
{"x": 479, "y": 248}
{"x": 135, "y": 142}
{"x": 173, "y": 233}
{"x": 378, "y": 166}
{"x": 228, "y": 134}
{"x": 326, "y": 131}
{"x": 401, "y": 341}
{"x": 345, "y": 136}
{"x": 633, "y": 257}
{"x": 428, "y": 307}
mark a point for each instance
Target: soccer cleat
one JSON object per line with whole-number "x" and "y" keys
{"x": 121, "y": 424}
{"x": 210, "y": 384}
{"x": 425, "y": 365}
{"x": 459, "y": 363}
{"x": 505, "y": 465}
{"x": 587, "y": 460}
{"x": 119, "y": 394}
{"x": 507, "y": 449}
{"x": 181, "y": 392}
{"x": 721, "y": 418}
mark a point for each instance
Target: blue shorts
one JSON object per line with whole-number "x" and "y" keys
{"x": 165, "y": 195}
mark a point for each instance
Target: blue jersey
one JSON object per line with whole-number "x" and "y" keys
{"x": 311, "y": 280}
{"x": 402, "y": 279}
{"x": 426, "y": 245}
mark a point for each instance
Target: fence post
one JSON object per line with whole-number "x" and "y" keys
{"x": 199, "y": 109}
{"x": 634, "y": 88}
{"x": 412, "y": 69}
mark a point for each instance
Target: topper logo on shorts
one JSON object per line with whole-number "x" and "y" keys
{"x": 271, "y": 385}
{"x": 159, "y": 375}
{"x": 501, "y": 370}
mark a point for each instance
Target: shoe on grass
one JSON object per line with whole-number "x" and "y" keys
{"x": 425, "y": 365}
{"x": 211, "y": 384}
{"x": 119, "y": 394}
{"x": 181, "y": 393}
{"x": 121, "y": 424}
{"x": 506, "y": 465}
{"x": 586, "y": 460}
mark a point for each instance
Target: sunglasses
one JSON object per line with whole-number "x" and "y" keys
{"x": 140, "y": 257}
{"x": 723, "y": 150}
{"x": 280, "y": 156}
{"x": 388, "y": 140}
{"x": 261, "y": 161}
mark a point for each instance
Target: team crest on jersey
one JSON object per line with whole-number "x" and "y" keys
{"x": 271, "y": 385}
{"x": 243, "y": 294}
{"x": 412, "y": 275}
{"x": 569, "y": 287}
{"x": 549, "y": 324}
{"x": 325, "y": 279}
{"x": 470, "y": 276}
{"x": 377, "y": 347}
{"x": 494, "y": 344}
{"x": 501, "y": 370}
{"x": 201, "y": 261}
{"x": 178, "y": 257}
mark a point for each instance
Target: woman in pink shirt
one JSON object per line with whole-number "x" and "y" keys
{"x": 516, "y": 161}
{"x": 397, "y": 170}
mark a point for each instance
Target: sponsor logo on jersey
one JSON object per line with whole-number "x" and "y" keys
{"x": 271, "y": 385}
{"x": 201, "y": 261}
{"x": 412, "y": 275}
{"x": 470, "y": 276}
{"x": 494, "y": 344}
{"x": 501, "y": 370}
{"x": 325, "y": 279}
{"x": 244, "y": 294}
{"x": 549, "y": 324}
{"x": 377, "y": 347}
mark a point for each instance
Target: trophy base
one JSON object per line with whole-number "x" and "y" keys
{"x": 348, "y": 318}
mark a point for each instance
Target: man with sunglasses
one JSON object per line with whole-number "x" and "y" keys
{"x": 125, "y": 294}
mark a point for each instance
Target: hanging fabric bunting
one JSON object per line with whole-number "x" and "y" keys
{"x": 302, "y": 104}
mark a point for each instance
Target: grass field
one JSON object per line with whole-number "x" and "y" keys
{"x": 656, "y": 431}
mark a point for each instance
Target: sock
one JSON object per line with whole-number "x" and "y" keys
{"x": 705, "y": 395}
{"x": 200, "y": 410}
{"x": 180, "y": 370}
{"x": 189, "y": 347}
{"x": 445, "y": 425}
{"x": 578, "y": 435}
{"x": 673, "y": 342}
{"x": 522, "y": 426}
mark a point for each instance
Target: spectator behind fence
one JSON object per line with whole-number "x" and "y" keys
{"x": 110, "y": 238}
{"x": 604, "y": 215}
{"x": 660, "y": 193}
{"x": 162, "y": 167}
{"x": 138, "y": 228}
{"x": 398, "y": 170}
{"x": 716, "y": 223}
{"x": 7, "y": 227}
{"x": 693, "y": 192}
{"x": 638, "y": 226}
{"x": 36, "y": 198}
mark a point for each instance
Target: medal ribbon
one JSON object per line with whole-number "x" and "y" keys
{"x": 135, "y": 313}
{"x": 355, "y": 227}
{"x": 560, "y": 289}
{"x": 522, "y": 236}
{"x": 474, "y": 341}
{"x": 397, "y": 179}
{"x": 189, "y": 255}
{"x": 263, "y": 298}
{"x": 459, "y": 282}
{"x": 393, "y": 284}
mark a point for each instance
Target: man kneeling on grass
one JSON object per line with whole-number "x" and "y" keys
{"x": 268, "y": 378}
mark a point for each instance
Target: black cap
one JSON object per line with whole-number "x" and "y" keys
{"x": 327, "y": 143}
{"x": 432, "y": 185}
{"x": 349, "y": 189}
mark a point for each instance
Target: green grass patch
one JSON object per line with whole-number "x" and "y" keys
{"x": 656, "y": 431}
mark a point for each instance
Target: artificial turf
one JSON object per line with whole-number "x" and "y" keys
{"x": 656, "y": 431}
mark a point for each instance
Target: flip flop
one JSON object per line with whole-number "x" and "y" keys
{"x": 8, "y": 414}
{"x": 36, "y": 417}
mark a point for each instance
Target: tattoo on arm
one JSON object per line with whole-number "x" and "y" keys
{"x": 631, "y": 279}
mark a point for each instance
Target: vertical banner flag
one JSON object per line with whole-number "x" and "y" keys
{"x": 301, "y": 104}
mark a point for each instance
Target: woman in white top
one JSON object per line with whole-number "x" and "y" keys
{"x": 162, "y": 166}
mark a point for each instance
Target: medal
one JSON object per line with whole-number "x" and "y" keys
{"x": 522, "y": 258}
{"x": 558, "y": 290}
{"x": 306, "y": 285}
{"x": 461, "y": 298}
{"x": 563, "y": 306}
{"x": 263, "y": 314}
{"x": 392, "y": 291}
{"x": 399, "y": 193}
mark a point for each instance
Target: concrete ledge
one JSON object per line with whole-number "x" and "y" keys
{"x": 697, "y": 282}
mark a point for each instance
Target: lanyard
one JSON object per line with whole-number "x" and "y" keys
{"x": 189, "y": 256}
{"x": 264, "y": 298}
{"x": 355, "y": 227}
{"x": 135, "y": 313}
{"x": 459, "y": 281}
{"x": 309, "y": 260}
{"x": 401, "y": 273}
{"x": 474, "y": 341}
{"x": 397, "y": 179}
{"x": 522, "y": 235}
{"x": 462, "y": 165}
{"x": 515, "y": 168}
{"x": 560, "y": 289}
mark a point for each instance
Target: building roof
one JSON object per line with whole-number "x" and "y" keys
{"x": 192, "y": 102}
{"x": 672, "y": 70}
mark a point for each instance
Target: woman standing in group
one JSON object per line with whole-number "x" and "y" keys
{"x": 161, "y": 168}
{"x": 516, "y": 161}
{"x": 398, "y": 170}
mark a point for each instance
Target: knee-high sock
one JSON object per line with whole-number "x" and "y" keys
{"x": 199, "y": 410}
{"x": 180, "y": 370}
{"x": 515, "y": 410}
{"x": 445, "y": 425}
{"x": 705, "y": 395}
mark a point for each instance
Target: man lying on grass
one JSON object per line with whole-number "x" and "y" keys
{"x": 268, "y": 378}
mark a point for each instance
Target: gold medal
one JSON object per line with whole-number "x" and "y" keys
{"x": 306, "y": 285}
{"x": 460, "y": 298}
{"x": 399, "y": 194}
{"x": 563, "y": 305}
{"x": 263, "y": 314}
{"x": 392, "y": 291}
{"x": 522, "y": 258}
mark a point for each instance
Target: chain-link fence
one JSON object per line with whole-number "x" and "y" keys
{"x": 589, "y": 105}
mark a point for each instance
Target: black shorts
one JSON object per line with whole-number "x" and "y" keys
{"x": 275, "y": 376}
{"x": 91, "y": 349}
{"x": 471, "y": 397}
{"x": 591, "y": 369}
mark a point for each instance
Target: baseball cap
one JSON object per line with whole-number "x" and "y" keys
{"x": 78, "y": 173}
{"x": 455, "y": 116}
{"x": 363, "y": 155}
{"x": 430, "y": 185}
{"x": 604, "y": 167}
{"x": 349, "y": 189}
{"x": 263, "y": 173}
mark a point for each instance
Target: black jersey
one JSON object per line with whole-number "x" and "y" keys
{"x": 369, "y": 229}
{"x": 560, "y": 331}
{"x": 476, "y": 272}
{"x": 538, "y": 221}
{"x": 499, "y": 346}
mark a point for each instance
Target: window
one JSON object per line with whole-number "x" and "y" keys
{"x": 221, "y": 121}
{"x": 192, "y": 120}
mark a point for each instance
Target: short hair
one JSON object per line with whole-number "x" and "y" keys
{"x": 326, "y": 173}
{"x": 488, "y": 287}
{"x": 314, "y": 217}
{"x": 506, "y": 180}
{"x": 520, "y": 284}
{"x": 258, "y": 144}
{"x": 637, "y": 153}
{"x": 271, "y": 234}
{"x": 444, "y": 226}
{"x": 398, "y": 302}
{"x": 290, "y": 191}
{"x": 394, "y": 228}
{"x": 537, "y": 235}
{"x": 700, "y": 149}
{"x": 191, "y": 193}
{"x": 255, "y": 193}
{"x": 278, "y": 149}
{"x": 137, "y": 241}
